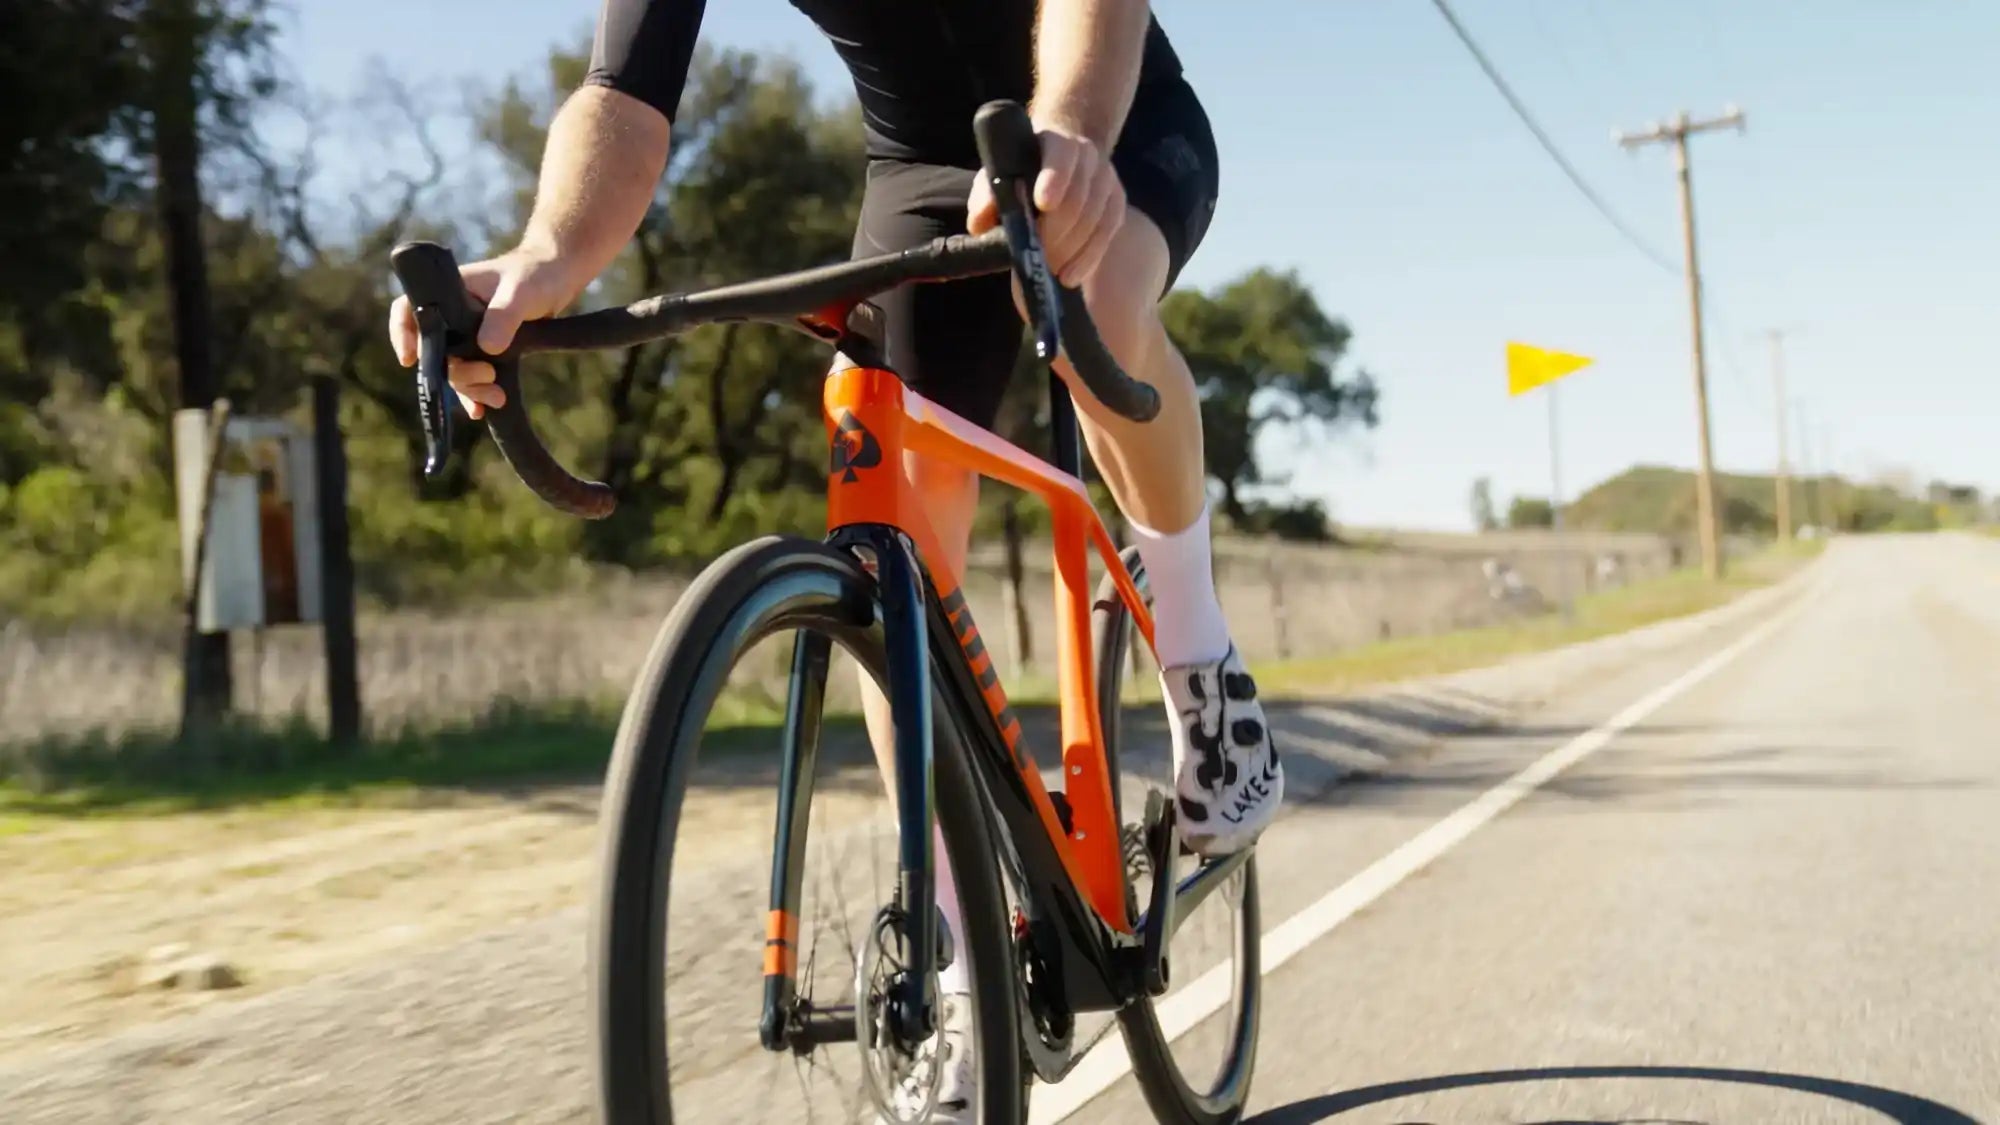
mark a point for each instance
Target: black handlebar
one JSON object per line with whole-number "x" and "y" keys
{"x": 448, "y": 325}
{"x": 448, "y": 316}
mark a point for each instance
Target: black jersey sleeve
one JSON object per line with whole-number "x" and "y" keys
{"x": 643, "y": 48}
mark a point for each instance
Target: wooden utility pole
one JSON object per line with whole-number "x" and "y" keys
{"x": 1784, "y": 423}
{"x": 1676, "y": 133}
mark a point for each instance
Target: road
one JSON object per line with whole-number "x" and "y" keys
{"x": 1776, "y": 898}
{"x": 1769, "y": 893}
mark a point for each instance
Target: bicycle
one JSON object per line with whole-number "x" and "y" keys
{"x": 1076, "y": 940}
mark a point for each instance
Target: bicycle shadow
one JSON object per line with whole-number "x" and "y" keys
{"x": 1895, "y": 1105}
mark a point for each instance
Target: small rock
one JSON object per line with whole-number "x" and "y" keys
{"x": 208, "y": 974}
{"x": 198, "y": 972}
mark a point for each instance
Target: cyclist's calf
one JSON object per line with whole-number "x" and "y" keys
{"x": 1148, "y": 465}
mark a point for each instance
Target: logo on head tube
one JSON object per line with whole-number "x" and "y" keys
{"x": 853, "y": 448}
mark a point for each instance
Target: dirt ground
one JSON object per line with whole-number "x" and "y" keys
{"x": 283, "y": 898}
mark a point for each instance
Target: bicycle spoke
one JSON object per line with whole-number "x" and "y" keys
{"x": 846, "y": 912}
{"x": 801, "y": 1066}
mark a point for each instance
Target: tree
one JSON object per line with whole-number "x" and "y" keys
{"x": 190, "y": 49}
{"x": 1955, "y": 505}
{"x": 1530, "y": 511}
{"x": 1483, "y": 515}
{"x": 1299, "y": 521}
{"x": 71, "y": 83}
{"x": 67, "y": 77}
{"x": 188, "y": 257}
{"x": 1263, "y": 353}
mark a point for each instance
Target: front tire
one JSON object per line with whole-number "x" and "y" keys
{"x": 768, "y": 586}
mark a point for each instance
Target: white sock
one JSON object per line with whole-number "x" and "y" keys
{"x": 1188, "y": 627}
{"x": 957, "y": 976}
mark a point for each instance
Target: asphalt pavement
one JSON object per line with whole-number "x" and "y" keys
{"x": 1774, "y": 897}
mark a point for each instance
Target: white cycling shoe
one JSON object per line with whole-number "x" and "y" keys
{"x": 1227, "y": 776}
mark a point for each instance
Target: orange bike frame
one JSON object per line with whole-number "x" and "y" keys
{"x": 874, "y": 423}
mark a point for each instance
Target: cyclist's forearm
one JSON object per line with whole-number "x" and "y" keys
{"x": 1087, "y": 55}
{"x": 604, "y": 158}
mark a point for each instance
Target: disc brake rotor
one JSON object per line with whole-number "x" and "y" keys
{"x": 903, "y": 1083}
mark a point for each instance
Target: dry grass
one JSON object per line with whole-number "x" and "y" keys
{"x": 427, "y": 671}
{"x": 288, "y": 771}
{"x": 1596, "y": 615}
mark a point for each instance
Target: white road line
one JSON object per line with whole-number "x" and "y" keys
{"x": 1108, "y": 1062}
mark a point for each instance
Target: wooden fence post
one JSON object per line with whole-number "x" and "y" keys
{"x": 343, "y": 683}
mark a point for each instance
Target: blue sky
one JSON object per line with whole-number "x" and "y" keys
{"x": 1362, "y": 146}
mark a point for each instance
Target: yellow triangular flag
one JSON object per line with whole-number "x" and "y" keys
{"x": 1529, "y": 367}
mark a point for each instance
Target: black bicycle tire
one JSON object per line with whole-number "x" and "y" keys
{"x": 731, "y": 605}
{"x": 1168, "y": 1094}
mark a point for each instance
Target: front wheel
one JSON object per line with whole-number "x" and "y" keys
{"x": 1197, "y": 1075}
{"x": 679, "y": 945}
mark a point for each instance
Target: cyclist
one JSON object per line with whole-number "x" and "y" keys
{"x": 1128, "y": 186}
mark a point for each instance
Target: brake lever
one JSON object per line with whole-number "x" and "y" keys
{"x": 447, "y": 322}
{"x": 1031, "y": 266}
{"x": 1010, "y": 155}
{"x": 433, "y": 382}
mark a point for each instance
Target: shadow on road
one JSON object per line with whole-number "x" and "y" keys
{"x": 1906, "y": 1109}
{"x": 1474, "y": 766}
{"x": 1393, "y": 726}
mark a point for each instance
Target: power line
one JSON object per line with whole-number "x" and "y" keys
{"x": 1549, "y": 146}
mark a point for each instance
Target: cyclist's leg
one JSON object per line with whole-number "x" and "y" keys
{"x": 1228, "y": 776}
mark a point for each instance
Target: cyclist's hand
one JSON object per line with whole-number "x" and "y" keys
{"x": 1081, "y": 201}
{"x": 516, "y": 287}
